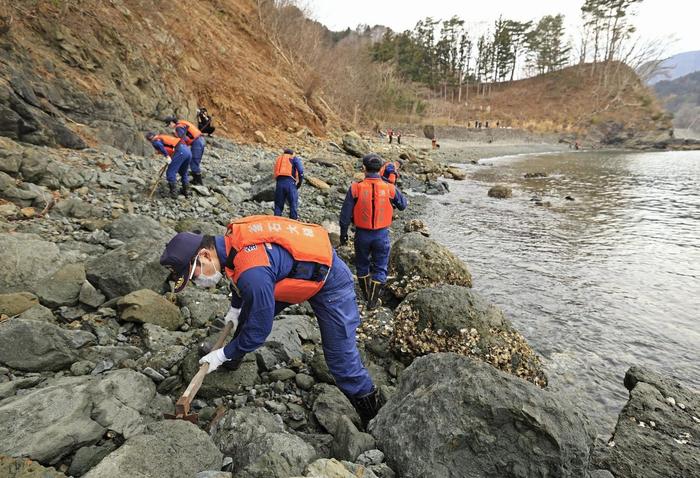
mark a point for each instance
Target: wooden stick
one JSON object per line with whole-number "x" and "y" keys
{"x": 155, "y": 184}
{"x": 182, "y": 406}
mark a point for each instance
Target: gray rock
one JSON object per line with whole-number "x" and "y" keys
{"x": 496, "y": 425}
{"x": 330, "y": 406}
{"x": 371, "y": 457}
{"x": 332, "y": 468}
{"x": 128, "y": 268}
{"x": 77, "y": 208}
{"x": 156, "y": 338}
{"x": 135, "y": 227}
{"x": 33, "y": 166}
{"x": 239, "y": 427}
{"x": 21, "y": 266}
{"x": 287, "y": 334}
{"x": 203, "y": 305}
{"x": 83, "y": 367}
{"x": 222, "y": 381}
{"x": 34, "y": 346}
{"x": 418, "y": 262}
{"x": 349, "y": 442}
{"x": 304, "y": 381}
{"x": 89, "y": 456}
{"x": 319, "y": 367}
{"x": 8, "y": 389}
{"x": 146, "y": 306}
{"x": 274, "y": 455}
{"x": 10, "y": 160}
{"x": 353, "y": 144}
{"x": 657, "y": 431}
{"x": 167, "y": 357}
{"x": 38, "y": 312}
{"x": 500, "y": 191}
{"x": 17, "y": 302}
{"x": 22, "y": 468}
{"x": 72, "y": 412}
{"x": 116, "y": 354}
{"x": 62, "y": 287}
{"x": 264, "y": 190}
{"x": 450, "y": 318}
{"x": 158, "y": 453}
{"x": 282, "y": 374}
{"x": 90, "y": 296}
{"x": 214, "y": 474}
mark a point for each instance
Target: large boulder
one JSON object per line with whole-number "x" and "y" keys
{"x": 145, "y": 306}
{"x": 131, "y": 267}
{"x": 34, "y": 346}
{"x": 451, "y": 318}
{"x": 417, "y": 262}
{"x": 264, "y": 190}
{"x": 204, "y": 306}
{"x": 166, "y": 449}
{"x": 454, "y": 416}
{"x": 657, "y": 431}
{"x": 354, "y": 144}
{"x": 135, "y": 227}
{"x": 50, "y": 422}
{"x": 22, "y": 264}
{"x": 288, "y": 331}
{"x": 259, "y": 446}
{"x": 16, "y": 303}
{"x": 330, "y": 406}
{"x": 62, "y": 287}
{"x": 500, "y": 191}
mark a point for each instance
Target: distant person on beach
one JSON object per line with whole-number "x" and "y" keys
{"x": 398, "y": 137}
{"x": 390, "y": 133}
{"x": 204, "y": 122}
{"x": 434, "y": 143}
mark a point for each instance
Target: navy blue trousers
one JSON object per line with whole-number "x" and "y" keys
{"x": 286, "y": 192}
{"x": 372, "y": 253}
{"x": 179, "y": 164}
{"x": 197, "y": 147}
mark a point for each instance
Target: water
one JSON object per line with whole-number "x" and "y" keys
{"x": 609, "y": 280}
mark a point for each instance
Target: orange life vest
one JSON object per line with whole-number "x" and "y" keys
{"x": 373, "y": 208}
{"x": 192, "y": 131}
{"x": 170, "y": 142}
{"x": 283, "y": 167}
{"x": 392, "y": 176}
{"x": 247, "y": 238}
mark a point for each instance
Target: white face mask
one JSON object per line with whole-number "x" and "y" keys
{"x": 203, "y": 280}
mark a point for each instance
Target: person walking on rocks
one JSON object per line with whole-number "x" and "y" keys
{"x": 398, "y": 137}
{"x": 178, "y": 157}
{"x": 390, "y": 171}
{"x": 274, "y": 262}
{"x": 370, "y": 204}
{"x": 204, "y": 122}
{"x": 390, "y": 133}
{"x": 193, "y": 138}
{"x": 289, "y": 175}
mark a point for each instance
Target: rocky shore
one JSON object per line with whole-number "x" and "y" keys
{"x": 94, "y": 347}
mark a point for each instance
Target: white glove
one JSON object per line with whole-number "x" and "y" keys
{"x": 214, "y": 358}
{"x": 232, "y": 316}
{"x": 168, "y": 160}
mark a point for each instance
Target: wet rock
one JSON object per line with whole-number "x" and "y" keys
{"x": 538, "y": 174}
{"x": 34, "y": 346}
{"x": 16, "y": 303}
{"x": 657, "y": 431}
{"x": 145, "y": 306}
{"x": 25, "y": 468}
{"x": 458, "y": 174}
{"x": 417, "y": 262}
{"x": 158, "y": 453}
{"x": 500, "y": 191}
{"x": 349, "y": 442}
{"x": 416, "y": 225}
{"x": 477, "y": 421}
{"x": 330, "y": 406}
{"x": 21, "y": 266}
{"x": 354, "y": 144}
{"x": 451, "y": 318}
{"x": 71, "y": 412}
{"x": 128, "y": 268}
{"x": 62, "y": 287}
{"x": 90, "y": 296}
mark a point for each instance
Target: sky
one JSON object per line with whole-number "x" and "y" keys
{"x": 674, "y": 20}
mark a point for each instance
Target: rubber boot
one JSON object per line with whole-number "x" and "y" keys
{"x": 173, "y": 190}
{"x": 185, "y": 190}
{"x": 375, "y": 292}
{"x": 367, "y": 406}
{"x": 197, "y": 179}
{"x": 364, "y": 286}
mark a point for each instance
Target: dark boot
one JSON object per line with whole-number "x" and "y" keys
{"x": 364, "y": 286}
{"x": 197, "y": 179}
{"x": 375, "y": 292}
{"x": 173, "y": 190}
{"x": 367, "y": 406}
{"x": 185, "y": 190}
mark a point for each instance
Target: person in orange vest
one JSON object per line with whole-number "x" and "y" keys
{"x": 390, "y": 171}
{"x": 370, "y": 205}
{"x": 193, "y": 138}
{"x": 390, "y": 133}
{"x": 289, "y": 175}
{"x": 178, "y": 157}
{"x": 273, "y": 262}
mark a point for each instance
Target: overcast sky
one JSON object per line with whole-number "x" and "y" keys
{"x": 655, "y": 19}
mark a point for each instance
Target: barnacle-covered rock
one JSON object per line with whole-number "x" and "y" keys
{"x": 451, "y": 318}
{"x": 417, "y": 262}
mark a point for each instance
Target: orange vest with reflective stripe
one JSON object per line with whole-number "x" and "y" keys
{"x": 394, "y": 175}
{"x": 248, "y": 238}
{"x": 373, "y": 208}
{"x": 170, "y": 142}
{"x": 192, "y": 131}
{"x": 283, "y": 167}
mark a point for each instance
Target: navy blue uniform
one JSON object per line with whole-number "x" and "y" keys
{"x": 286, "y": 190}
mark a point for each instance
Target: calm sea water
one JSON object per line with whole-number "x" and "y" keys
{"x": 597, "y": 284}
